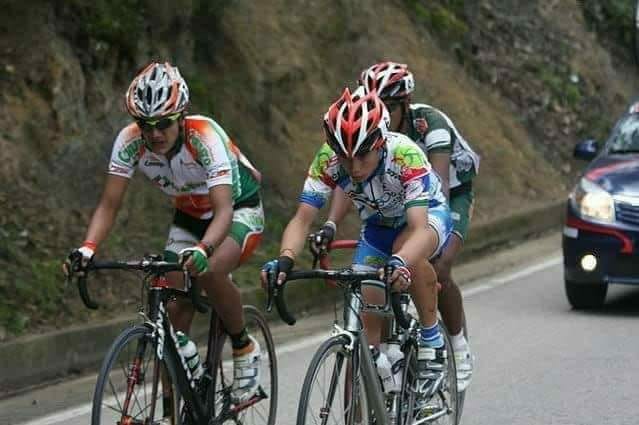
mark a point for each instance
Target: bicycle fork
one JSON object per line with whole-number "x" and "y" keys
{"x": 358, "y": 341}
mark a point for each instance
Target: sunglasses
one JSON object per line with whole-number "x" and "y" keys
{"x": 161, "y": 124}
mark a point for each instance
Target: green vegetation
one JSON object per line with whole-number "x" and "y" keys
{"x": 612, "y": 19}
{"x": 562, "y": 88}
{"x": 109, "y": 25}
{"x": 444, "y": 18}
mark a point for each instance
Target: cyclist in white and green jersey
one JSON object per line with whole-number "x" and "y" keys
{"x": 456, "y": 163}
{"x": 405, "y": 219}
{"x": 218, "y": 219}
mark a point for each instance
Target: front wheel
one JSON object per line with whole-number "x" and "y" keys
{"x": 333, "y": 392}
{"x": 585, "y": 296}
{"x": 134, "y": 386}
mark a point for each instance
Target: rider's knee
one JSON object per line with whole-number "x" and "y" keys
{"x": 442, "y": 268}
{"x": 425, "y": 272}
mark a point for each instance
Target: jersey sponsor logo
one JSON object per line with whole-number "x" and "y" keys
{"x": 202, "y": 152}
{"x": 153, "y": 163}
{"x": 362, "y": 199}
{"x": 164, "y": 182}
{"x": 322, "y": 163}
{"x": 118, "y": 169}
{"x": 390, "y": 198}
{"x": 414, "y": 189}
{"x": 409, "y": 157}
{"x": 189, "y": 164}
{"x": 130, "y": 152}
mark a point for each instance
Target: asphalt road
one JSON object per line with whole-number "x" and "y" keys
{"x": 537, "y": 361}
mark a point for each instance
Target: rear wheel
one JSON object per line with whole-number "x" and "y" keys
{"x": 261, "y": 408}
{"x": 461, "y": 395}
{"x": 443, "y": 407}
{"x": 585, "y": 296}
{"x": 129, "y": 374}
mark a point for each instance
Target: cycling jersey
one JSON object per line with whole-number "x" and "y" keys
{"x": 205, "y": 157}
{"x": 403, "y": 179}
{"x": 442, "y": 136}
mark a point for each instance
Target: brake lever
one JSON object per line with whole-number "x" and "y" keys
{"x": 270, "y": 290}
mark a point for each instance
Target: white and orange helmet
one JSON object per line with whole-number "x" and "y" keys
{"x": 156, "y": 92}
{"x": 356, "y": 123}
{"x": 391, "y": 80}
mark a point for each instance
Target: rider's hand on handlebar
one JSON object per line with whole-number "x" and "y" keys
{"x": 398, "y": 271}
{"x": 79, "y": 259}
{"x": 194, "y": 259}
{"x": 319, "y": 241}
{"x": 280, "y": 267}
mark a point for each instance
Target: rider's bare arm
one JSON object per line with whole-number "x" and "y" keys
{"x": 340, "y": 205}
{"x": 110, "y": 202}
{"x": 440, "y": 162}
{"x": 297, "y": 230}
{"x": 222, "y": 203}
{"x": 416, "y": 245}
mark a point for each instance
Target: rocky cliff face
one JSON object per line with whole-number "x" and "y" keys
{"x": 522, "y": 80}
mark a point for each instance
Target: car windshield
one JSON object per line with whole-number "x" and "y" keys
{"x": 626, "y": 136}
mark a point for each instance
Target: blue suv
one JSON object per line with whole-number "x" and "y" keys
{"x": 601, "y": 230}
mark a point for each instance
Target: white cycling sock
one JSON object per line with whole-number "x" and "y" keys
{"x": 458, "y": 341}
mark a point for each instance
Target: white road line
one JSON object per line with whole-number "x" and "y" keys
{"x": 475, "y": 288}
{"x": 483, "y": 285}
{"x": 63, "y": 416}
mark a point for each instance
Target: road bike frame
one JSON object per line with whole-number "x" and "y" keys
{"x": 352, "y": 282}
{"x": 157, "y": 320}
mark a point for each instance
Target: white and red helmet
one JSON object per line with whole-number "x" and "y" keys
{"x": 391, "y": 80}
{"x": 356, "y": 123}
{"x": 156, "y": 92}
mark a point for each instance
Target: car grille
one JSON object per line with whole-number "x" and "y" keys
{"x": 627, "y": 213}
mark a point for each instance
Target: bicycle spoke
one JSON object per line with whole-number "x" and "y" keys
{"x": 113, "y": 408}
{"x": 128, "y": 359}
{"x": 115, "y": 394}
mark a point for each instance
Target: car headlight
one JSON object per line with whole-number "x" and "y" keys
{"x": 591, "y": 201}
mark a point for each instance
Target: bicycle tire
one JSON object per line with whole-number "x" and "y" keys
{"x": 636, "y": 34}
{"x": 461, "y": 395}
{"x": 408, "y": 393}
{"x": 354, "y": 396}
{"x": 131, "y": 338}
{"x": 452, "y": 372}
{"x": 219, "y": 401}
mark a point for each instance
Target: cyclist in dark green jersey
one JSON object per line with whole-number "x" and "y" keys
{"x": 456, "y": 163}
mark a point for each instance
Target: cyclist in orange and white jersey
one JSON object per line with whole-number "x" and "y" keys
{"x": 218, "y": 219}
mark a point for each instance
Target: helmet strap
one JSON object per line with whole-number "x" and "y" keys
{"x": 402, "y": 127}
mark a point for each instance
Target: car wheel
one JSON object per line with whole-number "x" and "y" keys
{"x": 584, "y": 296}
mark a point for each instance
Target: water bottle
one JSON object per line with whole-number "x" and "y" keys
{"x": 384, "y": 371}
{"x": 188, "y": 350}
{"x": 396, "y": 359}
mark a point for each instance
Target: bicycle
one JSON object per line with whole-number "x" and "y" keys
{"x": 145, "y": 380}
{"x": 352, "y": 393}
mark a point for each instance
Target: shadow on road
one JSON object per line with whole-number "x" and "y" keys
{"x": 621, "y": 301}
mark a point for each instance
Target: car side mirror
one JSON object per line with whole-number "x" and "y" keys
{"x": 586, "y": 150}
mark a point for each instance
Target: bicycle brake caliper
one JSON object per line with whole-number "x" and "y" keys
{"x": 338, "y": 330}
